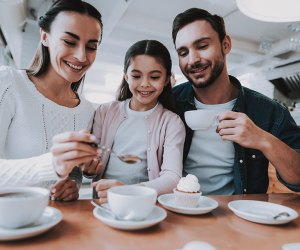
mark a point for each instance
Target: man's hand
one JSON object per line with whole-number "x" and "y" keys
{"x": 237, "y": 127}
{"x": 65, "y": 190}
{"x": 102, "y": 186}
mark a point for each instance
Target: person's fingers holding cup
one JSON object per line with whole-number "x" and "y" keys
{"x": 231, "y": 122}
{"x": 102, "y": 186}
{"x": 239, "y": 128}
{"x": 102, "y": 200}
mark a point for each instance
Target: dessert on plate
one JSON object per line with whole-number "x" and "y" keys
{"x": 187, "y": 192}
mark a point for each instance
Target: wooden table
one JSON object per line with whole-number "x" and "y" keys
{"x": 221, "y": 228}
{"x": 275, "y": 186}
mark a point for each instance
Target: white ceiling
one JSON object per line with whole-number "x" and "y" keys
{"x": 257, "y": 46}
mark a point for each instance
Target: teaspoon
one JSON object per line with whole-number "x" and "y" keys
{"x": 102, "y": 208}
{"x": 129, "y": 159}
{"x": 108, "y": 211}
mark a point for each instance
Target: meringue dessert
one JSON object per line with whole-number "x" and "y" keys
{"x": 187, "y": 192}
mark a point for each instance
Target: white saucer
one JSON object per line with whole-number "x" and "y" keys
{"x": 261, "y": 211}
{"x": 206, "y": 205}
{"x": 157, "y": 215}
{"x": 49, "y": 219}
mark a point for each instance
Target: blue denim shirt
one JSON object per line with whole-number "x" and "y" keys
{"x": 250, "y": 165}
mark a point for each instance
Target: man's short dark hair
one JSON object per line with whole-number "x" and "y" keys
{"x": 194, "y": 14}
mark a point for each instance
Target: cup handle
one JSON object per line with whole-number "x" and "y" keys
{"x": 216, "y": 121}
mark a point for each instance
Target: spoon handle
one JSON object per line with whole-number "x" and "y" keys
{"x": 282, "y": 214}
{"x": 102, "y": 208}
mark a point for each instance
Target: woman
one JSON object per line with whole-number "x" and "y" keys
{"x": 43, "y": 101}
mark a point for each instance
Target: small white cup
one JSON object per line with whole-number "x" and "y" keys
{"x": 201, "y": 119}
{"x": 21, "y": 206}
{"x": 131, "y": 202}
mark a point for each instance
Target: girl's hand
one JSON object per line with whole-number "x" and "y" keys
{"x": 102, "y": 186}
{"x": 92, "y": 168}
{"x": 65, "y": 190}
{"x": 70, "y": 149}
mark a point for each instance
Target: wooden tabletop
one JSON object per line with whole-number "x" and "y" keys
{"x": 79, "y": 229}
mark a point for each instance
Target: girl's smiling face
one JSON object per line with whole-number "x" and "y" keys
{"x": 146, "y": 78}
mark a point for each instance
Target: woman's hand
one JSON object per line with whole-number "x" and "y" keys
{"x": 65, "y": 190}
{"x": 102, "y": 186}
{"x": 71, "y": 149}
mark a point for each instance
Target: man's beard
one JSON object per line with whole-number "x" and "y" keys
{"x": 216, "y": 71}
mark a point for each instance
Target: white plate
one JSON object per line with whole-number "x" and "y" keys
{"x": 205, "y": 205}
{"x": 157, "y": 215}
{"x": 49, "y": 219}
{"x": 261, "y": 211}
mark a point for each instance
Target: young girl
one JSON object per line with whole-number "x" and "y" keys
{"x": 141, "y": 123}
{"x": 43, "y": 101}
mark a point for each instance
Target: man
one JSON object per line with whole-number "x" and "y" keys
{"x": 252, "y": 130}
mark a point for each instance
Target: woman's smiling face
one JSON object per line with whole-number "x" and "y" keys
{"x": 72, "y": 44}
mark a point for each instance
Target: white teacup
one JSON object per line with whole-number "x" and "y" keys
{"x": 131, "y": 202}
{"x": 201, "y": 119}
{"x": 21, "y": 206}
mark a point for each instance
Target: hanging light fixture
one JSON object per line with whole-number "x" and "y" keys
{"x": 271, "y": 10}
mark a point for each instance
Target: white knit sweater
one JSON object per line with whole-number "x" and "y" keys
{"x": 28, "y": 121}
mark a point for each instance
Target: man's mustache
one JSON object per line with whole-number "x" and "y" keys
{"x": 197, "y": 65}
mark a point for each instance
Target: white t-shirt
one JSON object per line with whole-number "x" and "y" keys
{"x": 210, "y": 158}
{"x": 131, "y": 138}
{"x": 28, "y": 121}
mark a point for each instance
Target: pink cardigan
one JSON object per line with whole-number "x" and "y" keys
{"x": 165, "y": 140}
